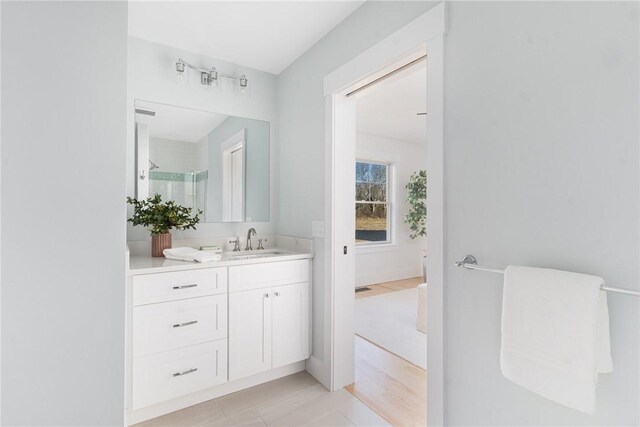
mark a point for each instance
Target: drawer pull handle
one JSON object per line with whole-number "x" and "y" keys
{"x": 185, "y": 286}
{"x": 266, "y": 295}
{"x": 190, "y": 371}
{"x": 180, "y": 325}
{"x": 277, "y": 294}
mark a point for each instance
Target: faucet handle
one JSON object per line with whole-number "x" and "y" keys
{"x": 236, "y": 244}
{"x": 260, "y": 244}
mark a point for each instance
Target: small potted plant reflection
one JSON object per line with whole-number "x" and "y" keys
{"x": 161, "y": 217}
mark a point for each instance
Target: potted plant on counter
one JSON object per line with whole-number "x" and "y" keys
{"x": 161, "y": 217}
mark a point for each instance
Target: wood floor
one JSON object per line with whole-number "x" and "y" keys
{"x": 388, "y": 384}
{"x": 385, "y": 288}
{"x": 297, "y": 400}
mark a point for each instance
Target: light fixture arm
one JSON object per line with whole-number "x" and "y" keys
{"x": 210, "y": 76}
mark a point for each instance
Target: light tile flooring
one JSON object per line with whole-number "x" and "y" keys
{"x": 297, "y": 400}
{"x": 391, "y": 386}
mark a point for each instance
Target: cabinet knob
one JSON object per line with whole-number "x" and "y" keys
{"x": 266, "y": 295}
{"x": 277, "y": 294}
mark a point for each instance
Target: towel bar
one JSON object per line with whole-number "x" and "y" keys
{"x": 469, "y": 262}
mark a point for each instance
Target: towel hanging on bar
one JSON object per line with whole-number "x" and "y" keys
{"x": 469, "y": 262}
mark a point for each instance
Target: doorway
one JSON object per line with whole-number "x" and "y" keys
{"x": 422, "y": 36}
{"x": 390, "y": 245}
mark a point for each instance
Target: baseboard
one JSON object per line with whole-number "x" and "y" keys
{"x": 316, "y": 368}
{"x": 389, "y": 275}
{"x": 149, "y": 412}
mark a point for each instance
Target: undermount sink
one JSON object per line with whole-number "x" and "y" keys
{"x": 259, "y": 253}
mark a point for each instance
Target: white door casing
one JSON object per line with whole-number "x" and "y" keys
{"x": 423, "y": 35}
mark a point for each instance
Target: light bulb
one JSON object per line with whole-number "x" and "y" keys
{"x": 244, "y": 83}
{"x": 213, "y": 78}
{"x": 180, "y": 69}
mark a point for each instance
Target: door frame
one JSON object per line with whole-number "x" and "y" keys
{"x": 423, "y": 35}
{"x": 232, "y": 144}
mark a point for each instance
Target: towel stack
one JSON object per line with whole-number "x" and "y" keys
{"x": 190, "y": 254}
{"x": 214, "y": 249}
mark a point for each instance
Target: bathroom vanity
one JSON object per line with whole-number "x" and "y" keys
{"x": 199, "y": 331}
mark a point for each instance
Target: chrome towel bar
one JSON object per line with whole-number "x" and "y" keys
{"x": 469, "y": 262}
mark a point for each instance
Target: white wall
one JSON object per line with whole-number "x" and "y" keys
{"x": 63, "y": 218}
{"x": 542, "y": 168}
{"x": 175, "y": 156}
{"x": 152, "y": 77}
{"x": 403, "y": 259}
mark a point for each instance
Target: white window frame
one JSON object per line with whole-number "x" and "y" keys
{"x": 391, "y": 161}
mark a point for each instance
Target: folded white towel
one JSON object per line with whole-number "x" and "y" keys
{"x": 190, "y": 254}
{"x": 555, "y": 334}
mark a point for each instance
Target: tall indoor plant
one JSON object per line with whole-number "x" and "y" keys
{"x": 416, "y": 218}
{"x": 161, "y": 217}
{"x": 417, "y": 198}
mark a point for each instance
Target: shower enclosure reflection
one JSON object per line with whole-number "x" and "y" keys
{"x": 214, "y": 163}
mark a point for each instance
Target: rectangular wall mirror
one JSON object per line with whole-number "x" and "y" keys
{"x": 215, "y": 163}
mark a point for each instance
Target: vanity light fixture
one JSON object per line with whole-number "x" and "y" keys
{"x": 210, "y": 76}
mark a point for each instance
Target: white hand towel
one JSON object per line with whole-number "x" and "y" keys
{"x": 555, "y": 334}
{"x": 190, "y": 254}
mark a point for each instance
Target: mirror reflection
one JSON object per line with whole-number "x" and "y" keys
{"x": 214, "y": 163}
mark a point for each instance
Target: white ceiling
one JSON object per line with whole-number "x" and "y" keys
{"x": 389, "y": 108}
{"x": 177, "y": 123}
{"x": 265, "y": 35}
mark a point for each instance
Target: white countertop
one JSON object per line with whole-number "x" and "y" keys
{"x": 148, "y": 264}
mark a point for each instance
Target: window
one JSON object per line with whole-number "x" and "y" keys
{"x": 373, "y": 209}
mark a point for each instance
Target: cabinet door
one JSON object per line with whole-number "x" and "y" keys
{"x": 249, "y": 332}
{"x": 290, "y": 324}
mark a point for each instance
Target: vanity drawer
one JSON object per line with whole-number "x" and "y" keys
{"x": 170, "y": 325}
{"x": 176, "y": 373}
{"x": 152, "y": 288}
{"x": 255, "y": 276}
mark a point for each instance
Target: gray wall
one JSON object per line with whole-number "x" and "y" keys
{"x": 542, "y": 168}
{"x": 541, "y": 127}
{"x": 63, "y": 216}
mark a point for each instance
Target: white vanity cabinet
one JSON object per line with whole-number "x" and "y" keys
{"x": 196, "y": 329}
{"x": 268, "y": 316}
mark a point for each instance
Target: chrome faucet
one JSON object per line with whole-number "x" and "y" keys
{"x": 236, "y": 244}
{"x": 251, "y": 232}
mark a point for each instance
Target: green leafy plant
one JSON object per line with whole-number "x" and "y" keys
{"x": 417, "y": 198}
{"x": 162, "y": 216}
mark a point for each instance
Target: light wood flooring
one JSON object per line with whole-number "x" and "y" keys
{"x": 385, "y": 288}
{"x": 297, "y": 400}
{"x": 388, "y": 384}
